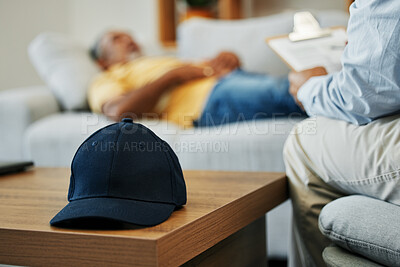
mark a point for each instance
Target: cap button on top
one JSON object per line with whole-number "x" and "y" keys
{"x": 127, "y": 120}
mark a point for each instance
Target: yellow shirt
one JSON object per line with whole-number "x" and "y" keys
{"x": 181, "y": 105}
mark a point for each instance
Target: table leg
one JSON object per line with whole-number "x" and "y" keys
{"x": 247, "y": 247}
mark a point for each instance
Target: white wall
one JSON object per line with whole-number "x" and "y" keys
{"x": 89, "y": 18}
{"x": 22, "y": 20}
{"x": 265, "y": 7}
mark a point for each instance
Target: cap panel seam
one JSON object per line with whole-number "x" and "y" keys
{"x": 76, "y": 153}
{"x": 72, "y": 186}
{"x": 84, "y": 142}
{"x": 170, "y": 173}
{"x": 165, "y": 155}
{"x": 171, "y": 165}
{"x": 112, "y": 161}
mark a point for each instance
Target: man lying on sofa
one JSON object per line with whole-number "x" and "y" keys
{"x": 208, "y": 93}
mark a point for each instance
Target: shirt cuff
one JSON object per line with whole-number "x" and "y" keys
{"x": 308, "y": 93}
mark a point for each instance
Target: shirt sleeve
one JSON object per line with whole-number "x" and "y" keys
{"x": 103, "y": 89}
{"x": 368, "y": 86}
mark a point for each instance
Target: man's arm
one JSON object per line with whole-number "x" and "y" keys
{"x": 368, "y": 86}
{"x": 142, "y": 100}
{"x": 224, "y": 63}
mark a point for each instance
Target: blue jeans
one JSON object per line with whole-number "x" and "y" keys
{"x": 242, "y": 96}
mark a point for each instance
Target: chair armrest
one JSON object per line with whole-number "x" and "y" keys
{"x": 364, "y": 225}
{"x": 19, "y": 108}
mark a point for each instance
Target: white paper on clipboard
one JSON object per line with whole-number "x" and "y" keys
{"x": 307, "y": 54}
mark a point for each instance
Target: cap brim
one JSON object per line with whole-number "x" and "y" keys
{"x": 124, "y": 210}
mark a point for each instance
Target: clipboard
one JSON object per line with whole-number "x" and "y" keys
{"x": 323, "y": 51}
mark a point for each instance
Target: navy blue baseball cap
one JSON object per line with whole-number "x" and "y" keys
{"x": 124, "y": 172}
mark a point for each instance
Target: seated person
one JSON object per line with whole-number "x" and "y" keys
{"x": 354, "y": 147}
{"x": 209, "y": 93}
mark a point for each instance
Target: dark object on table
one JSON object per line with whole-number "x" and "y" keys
{"x": 123, "y": 172}
{"x": 14, "y": 166}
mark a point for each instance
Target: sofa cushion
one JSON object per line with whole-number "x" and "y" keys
{"x": 365, "y": 226}
{"x": 65, "y": 66}
{"x": 245, "y": 146}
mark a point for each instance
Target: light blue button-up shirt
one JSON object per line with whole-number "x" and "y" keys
{"x": 368, "y": 86}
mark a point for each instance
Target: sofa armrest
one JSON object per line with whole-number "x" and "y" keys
{"x": 19, "y": 108}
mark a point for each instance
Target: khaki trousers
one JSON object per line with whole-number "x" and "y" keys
{"x": 326, "y": 159}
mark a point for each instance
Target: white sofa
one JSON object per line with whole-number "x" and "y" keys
{"x": 47, "y": 125}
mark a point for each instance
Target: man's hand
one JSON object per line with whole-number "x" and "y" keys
{"x": 186, "y": 73}
{"x": 224, "y": 63}
{"x": 297, "y": 79}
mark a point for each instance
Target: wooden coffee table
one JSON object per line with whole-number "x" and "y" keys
{"x": 223, "y": 223}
